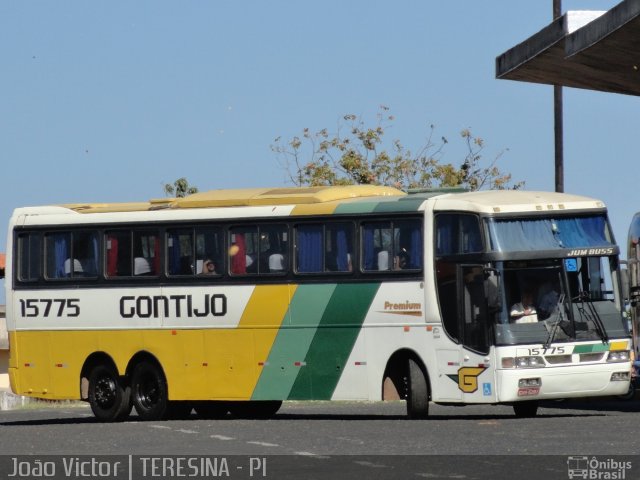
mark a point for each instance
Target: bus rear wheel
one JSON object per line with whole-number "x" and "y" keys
{"x": 149, "y": 391}
{"x": 417, "y": 392}
{"x": 527, "y": 409}
{"x": 109, "y": 397}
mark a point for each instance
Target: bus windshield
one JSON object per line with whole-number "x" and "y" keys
{"x": 511, "y": 235}
{"x": 557, "y": 300}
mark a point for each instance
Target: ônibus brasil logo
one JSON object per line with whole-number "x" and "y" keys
{"x": 597, "y": 468}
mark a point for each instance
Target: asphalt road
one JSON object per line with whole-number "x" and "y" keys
{"x": 332, "y": 439}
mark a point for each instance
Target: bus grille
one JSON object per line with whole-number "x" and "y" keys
{"x": 591, "y": 357}
{"x": 555, "y": 359}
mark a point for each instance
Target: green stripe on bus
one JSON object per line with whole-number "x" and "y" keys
{"x": 332, "y": 344}
{"x": 382, "y": 205}
{"x": 292, "y": 342}
{"x": 356, "y": 207}
{"x": 402, "y": 204}
{"x": 597, "y": 347}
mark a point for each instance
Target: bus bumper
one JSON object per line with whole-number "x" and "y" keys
{"x": 563, "y": 382}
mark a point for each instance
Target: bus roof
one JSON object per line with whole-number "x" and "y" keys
{"x": 352, "y": 199}
{"x": 512, "y": 201}
{"x": 247, "y": 197}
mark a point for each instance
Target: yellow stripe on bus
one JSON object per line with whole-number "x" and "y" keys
{"x": 203, "y": 363}
{"x": 623, "y": 345}
{"x": 315, "y": 208}
{"x": 265, "y": 313}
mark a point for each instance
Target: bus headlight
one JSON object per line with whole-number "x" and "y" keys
{"x": 619, "y": 356}
{"x": 522, "y": 362}
{"x": 620, "y": 377}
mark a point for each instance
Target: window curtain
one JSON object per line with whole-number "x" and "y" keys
{"x": 548, "y": 234}
{"x": 61, "y": 247}
{"x": 342, "y": 250}
{"x": 156, "y": 254}
{"x": 582, "y": 232}
{"x": 174, "y": 254}
{"x": 310, "y": 248}
{"x": 239, "y": 260}
{"x": 470, "y": 234}
{"x": 445, "y": 235}
{"x": 112, "y": 256}
{"x": 415, "y": 250}
{"x": 522, "y": 235}
{"x": 369, "y": 260}
{"x": 93, "y": 261}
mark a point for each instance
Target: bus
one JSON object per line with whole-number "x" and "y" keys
{"x": 230, "y": 302}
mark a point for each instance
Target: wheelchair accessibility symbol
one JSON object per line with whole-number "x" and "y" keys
{"x": 486, "y": 389}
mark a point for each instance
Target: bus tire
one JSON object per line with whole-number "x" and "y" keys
{"x": 527, "y": 409}
{"x": 631, "y": 393}
{"x": 149, "y": 391}
{"x": 255, "y": 409}
{"x": 417, "y": 392}
{"x": 109, "y": 398}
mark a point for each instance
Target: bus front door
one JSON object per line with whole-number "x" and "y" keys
{"x": 475, "y": 377}
{"x": 462, "y": 366}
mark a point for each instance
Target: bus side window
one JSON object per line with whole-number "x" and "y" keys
{"x": 456, "y": 234}
{"x": 377, "y": 246}
{"x": 208, "y": 248}
{"x": 71, "y": 254}
{"x": 85, "y": 254}
{"x": 118, "y": 252}
{"x": 180, "y": 252}
{"x": 309, "y": 250}
{"x": 29, "y": 257}
{"x": 57, "y": 252}
{"x": 324, "y": 248}
{"x": 396, "y": 245}
{"x": 339, "y": 247}
{"x": 146, "y": 245}
{"x": 243, "y": 252}
{"x": 408, "y": 245}
{"x": 273, "y": 249}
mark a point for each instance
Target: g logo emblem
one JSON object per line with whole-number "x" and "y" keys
{"x": 468, "y": 378}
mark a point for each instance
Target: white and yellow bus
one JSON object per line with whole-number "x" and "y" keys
{"x": 231, "y": 301}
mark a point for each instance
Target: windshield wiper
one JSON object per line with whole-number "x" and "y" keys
{"x": 592, "y": 314}
{"x": 554, "y": 329}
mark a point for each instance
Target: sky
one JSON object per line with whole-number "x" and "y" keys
{"x": 108, "y": 101}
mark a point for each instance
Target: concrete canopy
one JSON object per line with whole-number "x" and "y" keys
{"x": 592, "y": 50}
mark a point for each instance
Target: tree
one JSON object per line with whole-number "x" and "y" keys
{"x": 360, "y": 156}
{"x": 180, "y": 188}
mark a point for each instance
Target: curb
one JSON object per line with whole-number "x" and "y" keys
{"x": 10, "y": 401}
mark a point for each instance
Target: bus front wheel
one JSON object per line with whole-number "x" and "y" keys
{"x": 149, "y": 391}
{"x": 417, "y": 392}
{"x": 109, "y": 398}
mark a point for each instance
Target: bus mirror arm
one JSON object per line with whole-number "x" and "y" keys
{"x": 493, "y": 289}
{"x": 624, "y": 280}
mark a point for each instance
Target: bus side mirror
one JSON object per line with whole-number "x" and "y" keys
{"x": 624, "y": 280}
{"x": 492, "y": 289}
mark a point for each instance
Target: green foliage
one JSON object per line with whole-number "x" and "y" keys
{"x": 180, "y": 188}
{"x": 357, "y": 154}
